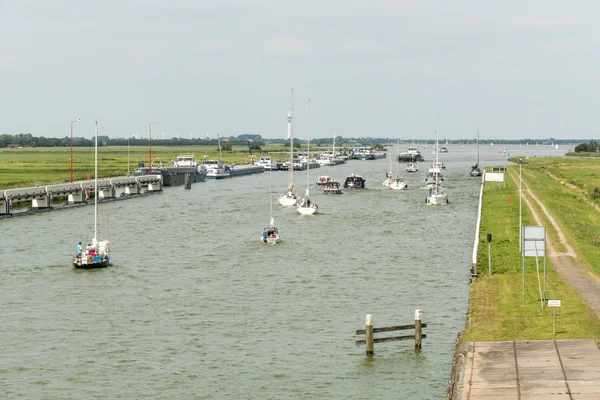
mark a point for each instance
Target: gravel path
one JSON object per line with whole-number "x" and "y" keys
{"x": 567, "y": 264}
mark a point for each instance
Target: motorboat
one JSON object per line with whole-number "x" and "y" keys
{"x": 215, "y": 169}
{"x": 354, "y": 182}
{"x": 413, "y": 154}
{"x": 323, "y": 180}
{"x": 412, "y": 167}
{"x": 332, "y": 187}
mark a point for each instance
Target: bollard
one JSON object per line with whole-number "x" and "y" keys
{"x": 369, "y": 335}
{"x": 418, "y": 330}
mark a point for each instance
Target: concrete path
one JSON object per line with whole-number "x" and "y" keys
{"x": 535, "y": 369}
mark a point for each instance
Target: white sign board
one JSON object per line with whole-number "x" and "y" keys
{"x": 534, "y": 241}
{"x": 553, "y": 303}
{"x": 494, "y": 177}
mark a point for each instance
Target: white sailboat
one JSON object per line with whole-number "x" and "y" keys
{"x": 289, "y": 198}
{"x": 97, "y": 254}
{"x": 270, "y": 233}
{"x": 436, "y": 194}
{"x": 398, "y": 183}
{"x": 306, "y": 206}
{"x": 389, "y": 176}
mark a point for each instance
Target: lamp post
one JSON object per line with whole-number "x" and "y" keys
{"x": 72, "y": 122}
{"x": 150, "y": 139}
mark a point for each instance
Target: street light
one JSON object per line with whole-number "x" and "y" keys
{"x": 72, "y": 122}
{"x": 150, "y": 139}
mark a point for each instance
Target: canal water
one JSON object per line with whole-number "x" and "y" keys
{"x": 196, "y": 307}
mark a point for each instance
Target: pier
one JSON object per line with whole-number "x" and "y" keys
{"x": 41, "y": 197}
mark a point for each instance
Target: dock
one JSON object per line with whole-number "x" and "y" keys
{"x": 41, "y": 197}
{"x": 528, "y": 369}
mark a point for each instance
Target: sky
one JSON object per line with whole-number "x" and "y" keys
{"x": 379, "y": 68}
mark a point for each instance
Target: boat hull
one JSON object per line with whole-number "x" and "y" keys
{"x": 398, "y": 185}
{"x": 78, "y": 262}
{"x": 307, "y": 210}
{"x": 287, "y": 201}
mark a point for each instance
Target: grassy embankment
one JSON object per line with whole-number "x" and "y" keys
{"x": 28, "y": 167}
{"x": 568, "y": 189}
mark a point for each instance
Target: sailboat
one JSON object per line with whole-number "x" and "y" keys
{"x": 289, "y": 197}
{"x": 97, "y": 254}
{"x": 389, "y": 176}
{"x": 306, "y": 206}
{"x": 475, "y": 170}
{"x": 436, "y": 193}
{"x": 398, "y": 183}
{"x": 270, "y": 233}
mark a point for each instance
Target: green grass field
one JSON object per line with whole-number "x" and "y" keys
{"x": 496, "y": 309}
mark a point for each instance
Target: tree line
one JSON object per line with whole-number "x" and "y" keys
{"x": 590, "y": 147}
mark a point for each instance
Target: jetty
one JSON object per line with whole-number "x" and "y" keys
{"x": 41, "y": 197}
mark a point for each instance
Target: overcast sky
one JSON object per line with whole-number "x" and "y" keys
{"x": 518, "y": 69}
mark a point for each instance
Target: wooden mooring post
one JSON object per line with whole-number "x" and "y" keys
{"x": 369, "y": 332}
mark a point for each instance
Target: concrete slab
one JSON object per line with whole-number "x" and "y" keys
{"x": 542, "y": 370}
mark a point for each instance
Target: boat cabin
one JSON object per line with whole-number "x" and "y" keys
{"x": 323, "y": 180}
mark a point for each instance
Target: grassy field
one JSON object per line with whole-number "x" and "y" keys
{"x": 496, "y": 309}
{"x": 47, "y": 165}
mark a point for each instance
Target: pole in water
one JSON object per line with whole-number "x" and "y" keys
{"x": 418, "y": 330}
{"x": 369, "y": 335}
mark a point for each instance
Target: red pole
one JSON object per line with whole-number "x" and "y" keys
{"x": 72, "y": 122}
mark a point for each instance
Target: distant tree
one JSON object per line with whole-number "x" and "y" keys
{"x": 581, "y": 148}
{"x": 226, "y": 146}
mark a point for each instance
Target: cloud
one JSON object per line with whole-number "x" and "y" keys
{"x": 287, "y": 45}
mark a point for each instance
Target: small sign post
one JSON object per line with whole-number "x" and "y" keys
{"x": 554, "y": 304}
{"x": 489, "y": 240}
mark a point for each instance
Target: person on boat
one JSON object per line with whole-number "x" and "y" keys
{"x": 79, "y": 250}
{"x": 265, "y": 236}
{"x": 92, "y": 253}
{"x": 88, "y": 248}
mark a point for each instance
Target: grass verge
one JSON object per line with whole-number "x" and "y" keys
{"x": 497, "y": 311}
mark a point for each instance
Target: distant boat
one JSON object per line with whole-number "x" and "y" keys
{"x": 354, "y": 182}
{"x": 413, "y": 154}
{"x": 271, "y": 233}
{"x": 436, "y": 194}
{"x": 97, "y": 255}
{"x": 289, "y": 197}
{"x": 412, "y": 167}
{"x": 475, "y": 170}
{"x": 398, "y": 183}
{"x": 332, "y": 187}
{"x": 306, "y": 206}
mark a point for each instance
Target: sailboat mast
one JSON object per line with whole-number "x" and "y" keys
{"x": 397, "y": 151}
{"x": 291, "y": 135}
{"x": 308, "y": 148}
{"x": 96, "y": 183}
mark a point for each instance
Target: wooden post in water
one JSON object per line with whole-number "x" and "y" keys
{"x": 369, "y": 335}
{"x": 418, "y": 330}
